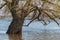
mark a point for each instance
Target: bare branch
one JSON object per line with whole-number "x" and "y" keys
{"x": 26, "y": 6}
{"x": 51, "y": 17}
{"x": 50, "y": 10}
{"x": 2, "y": 6}
{"x": 46, "y": 1}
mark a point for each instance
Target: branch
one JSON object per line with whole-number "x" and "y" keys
{"x": 26, "y": 6}
{"x": 52, "y": 11}
{"x": 2, "y": 6}
{"x": 49, "y": 10}
{"x": 51, "y": 17}
{"x": 29, "y": 11}
{"x": 46, "y": 1}
{"x": 30, "y": 21}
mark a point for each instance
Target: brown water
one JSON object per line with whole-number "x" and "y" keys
{"x": 10, "y": 37}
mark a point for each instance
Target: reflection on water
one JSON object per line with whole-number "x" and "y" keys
{"x": 15, "y": 37}
{"x": 35, "y": 31}
{"x": 10, "y": 37}
{"x": 31, "y": 35}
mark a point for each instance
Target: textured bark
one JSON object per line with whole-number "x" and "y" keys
{"x": 18, "y": 16}
{"x": 18, "y": 20}
{"x": 15, "y": 26}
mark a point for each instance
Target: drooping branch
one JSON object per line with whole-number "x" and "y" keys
{"x": 2, "y": 6}
{"x": 51, "y": 17}
{"x": 52, "y": 12}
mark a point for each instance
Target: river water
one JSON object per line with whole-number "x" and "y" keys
{"x": 35, "y": 31}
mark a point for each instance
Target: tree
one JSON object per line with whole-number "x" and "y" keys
{"x": 19, "y": 14}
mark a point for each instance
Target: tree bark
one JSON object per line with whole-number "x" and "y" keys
{"x": 18, "y": 16}
{"x": 18, "y": 20}
{"x": 15, "y": 26}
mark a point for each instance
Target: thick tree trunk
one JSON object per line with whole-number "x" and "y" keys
{"x": 17, "y": 22}
{"x": 18, "y": 16}
{"x": 15, "y": 26}
{"x": 18, "y": 19}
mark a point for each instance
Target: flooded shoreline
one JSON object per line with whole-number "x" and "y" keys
{"x": 35, "y": 31}
{"x": 31, "y": 35}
